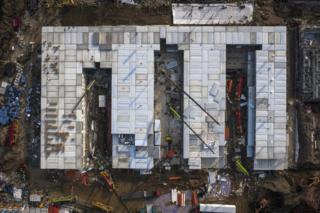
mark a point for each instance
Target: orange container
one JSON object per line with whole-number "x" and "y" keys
{"x": 226, "y": 133}
{"x": 174, "y": 178}
{"x": 194, "y": 199}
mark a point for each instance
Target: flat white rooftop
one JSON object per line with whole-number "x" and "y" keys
{"x": 129, "y": 52}
{"x": 209, "y": 14}
{"x": 221, "y": 208}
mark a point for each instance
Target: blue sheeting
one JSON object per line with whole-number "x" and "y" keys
{"x": 251, "y": 123}
{"x": 10, "y": 110}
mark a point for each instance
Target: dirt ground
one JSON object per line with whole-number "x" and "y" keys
{"x": 111, "y": 15}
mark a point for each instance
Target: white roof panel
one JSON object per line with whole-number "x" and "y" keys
{"x": 204, "y": 66}
{"x": 208, "y": 14}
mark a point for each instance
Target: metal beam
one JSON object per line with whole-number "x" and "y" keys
{"x": 179, "y": 117}
{"x": 84, "y": 94}
{"x": 181, "y": 89}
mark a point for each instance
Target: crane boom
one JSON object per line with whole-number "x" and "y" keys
{"x": 184, "y": 92}
{"x": 111, "y": 186}
{"x": 179, "y": 117}
{"x": 84, "y": 94}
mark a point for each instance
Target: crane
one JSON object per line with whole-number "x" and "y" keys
{"x": 163, "y": 71}
{"x": 111, "y": 186}
{"x": 84, "y": 94}
{"x": 179, "y": 117}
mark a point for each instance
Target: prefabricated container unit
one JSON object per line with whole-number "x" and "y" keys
{"x": 221, "y": 208}
{"x": 181, "y": 199}
{"x": 157, "y": 138}
{"x": 157, "y": 125}
{"x": 194, "y": 199}
{"x": 174, "y": 195}
{"x": 102, "y": 101}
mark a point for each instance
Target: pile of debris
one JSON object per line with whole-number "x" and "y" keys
{"x": 219, "y": 185}
{"x": 10, "y": 110}
{"x": 13, "y": 188}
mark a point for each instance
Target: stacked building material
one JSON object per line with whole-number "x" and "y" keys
{"x": 10, "y": 110}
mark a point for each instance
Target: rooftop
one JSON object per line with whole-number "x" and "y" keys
{"x": 129, "y": 52}
{"x": 209, "y": 14}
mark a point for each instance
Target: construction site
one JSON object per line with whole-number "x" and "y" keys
{"x": 159, "y": 107}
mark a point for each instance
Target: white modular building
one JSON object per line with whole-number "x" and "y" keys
{"x": 129, "y": 52}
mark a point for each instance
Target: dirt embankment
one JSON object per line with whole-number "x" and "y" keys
{"x": 109, "y": 14}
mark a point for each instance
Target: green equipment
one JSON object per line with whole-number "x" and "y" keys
{"x": 241, "y": 168}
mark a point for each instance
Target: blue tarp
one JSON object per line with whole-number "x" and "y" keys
{"x": 10, "y": 110}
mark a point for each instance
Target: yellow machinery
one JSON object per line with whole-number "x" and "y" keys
{"x": 168, "y": 138}
{"x": 107, "y": 178}
{"x": 112, "y": 188}
{"x": 62, "y": 199}
{"x": 241, "y": 167}
{"x": 102, "y": 206}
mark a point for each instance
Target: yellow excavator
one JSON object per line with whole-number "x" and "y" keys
{"x": 102, "y": 206}
{"x": 63, "y": 199}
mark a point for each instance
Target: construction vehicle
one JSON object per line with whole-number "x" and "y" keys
{"x": 63, "y": 199}
{"x": 240, "y": 166}
{"x": 102, "y": 206}
{"x": 107, "y": 178}
{"x": 112, "y": 188}
{"x": 168, "y": 138}
{"x": 170, "y": 153}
